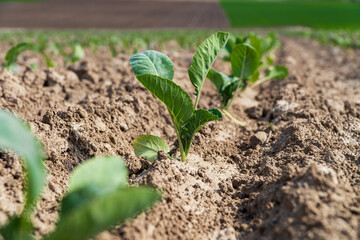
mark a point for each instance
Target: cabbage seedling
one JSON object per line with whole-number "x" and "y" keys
{"x": 98, "y": 196}
{"x": 277, "y": 72}
{"x": 245, "y": 58}
{"x": 76, "y": 54}
{"x": 264, "y": 46}
{"x": 12, "y": 55}
{"x": 155, "y": 72}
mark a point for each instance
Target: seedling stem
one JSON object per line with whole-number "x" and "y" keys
{"x": 233, "y": 118}
{"x": 197, "y": 100}
{"x": 257, "y": 83}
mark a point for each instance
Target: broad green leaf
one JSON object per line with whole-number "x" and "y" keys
{"x": 204, "y": 58}
{"x": 244, "y": 60}
{"x": 14, "y": 52}
{"x": 255, "y": 42}
{"x": 218, "y": 79}
{"x": 198, "y": 120}
{"x": 79, "y": 197}
{"x": 200, "y": 117}
{"x": 103, "y": 212}
{"x": 15, "y": 136}
{"x": 277, "y": 72}
{"x": 174, "y": 97}
{"x": 147, "y": 146}
{"x": 107, "y": 173}
{"x": 154, "y": 63}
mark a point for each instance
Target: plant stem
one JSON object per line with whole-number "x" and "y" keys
{"x": 197, "y": 100}
{"x": 183, "y": 155}
{"x": 257, "y": 83}
{"x": 233, "y": 118}
{"x": 178, "y": 134}
{"x": 181, "y": 146}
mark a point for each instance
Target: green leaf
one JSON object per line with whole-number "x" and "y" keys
{"x": 255, "y": 76}
{"x": 277, "y": 72}
{"x": 93, "y": 178}
{"x": 204, "y": 58}
{"x": 226, "y": 86}
{"x": 154, "y": 63}
{"x": 107, "y": 173}
{"x": 219, "y": 79}
{"x": 255, "y": 42}
{"x": 198, "y": 120}
{"x": 174, "y": 97}
{"x": 103, "y": 212}
{"x": 77, "y": 54}
{"x": 270, "y": 60}
{"x": 49, "y": 63}
{"x": 79, "y": 197}
{"x": 244, "y": 60}
{"x": 242, "y": 40}
{"x": 15, "y": 136}
{"x": 14, "y": 52}
{"x": 147, "y": 146}
{"x": 230, "y": 44}
{"x": 112, "y": 46}
{"x": 200, "y": 117}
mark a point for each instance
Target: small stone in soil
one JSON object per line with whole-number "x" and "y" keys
{"x": 258, "y": 138}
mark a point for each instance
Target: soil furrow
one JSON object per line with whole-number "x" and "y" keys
{"x": 293, "y": 171}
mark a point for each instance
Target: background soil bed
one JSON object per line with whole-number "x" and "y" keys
{"x": 297, "y": 177}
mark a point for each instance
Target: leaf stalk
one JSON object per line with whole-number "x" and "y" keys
{"x": 233, "y": 118}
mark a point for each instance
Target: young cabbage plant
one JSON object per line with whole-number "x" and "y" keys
{"x": 98, "y": 196}
{"x": 244, "y": 62}
{"x": 113, "y": 42}
{"x": 155, "y": 72}
{"x": 264, "y": 45}
{"x": 15, "y": 136}
{"x": 12, "y": 55}
{"x": 277, "y": 72}
{"x": 245, "y": 59}
{"x": 76, "y": 54}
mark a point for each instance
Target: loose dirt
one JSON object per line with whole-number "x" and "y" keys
{"x": 292, "y": 173}
{"x": 118, "y": 14}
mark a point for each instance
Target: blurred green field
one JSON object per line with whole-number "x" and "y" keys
{"x": 315, "y": 14}
{"x": 141, "y": 39}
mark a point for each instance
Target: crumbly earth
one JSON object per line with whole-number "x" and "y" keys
{"x": 292, "y": 173}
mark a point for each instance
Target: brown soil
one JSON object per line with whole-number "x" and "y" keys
{"x": 122, "y": 14}
{"x": 296, "y": 178}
